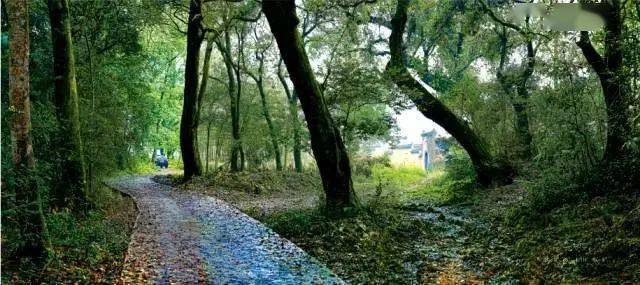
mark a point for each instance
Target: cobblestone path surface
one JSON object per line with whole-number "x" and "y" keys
{"x": 182, "y": 238}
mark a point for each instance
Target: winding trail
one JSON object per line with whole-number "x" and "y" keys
{"x": 185, "y": 238}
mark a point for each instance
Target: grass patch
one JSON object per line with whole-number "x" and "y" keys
{"x": 450, "y": 182}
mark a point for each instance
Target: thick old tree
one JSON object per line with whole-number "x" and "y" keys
{"x": 488, "y": 169}
{"x": 609, "y": 68}
{"x": 189, "y": 123}
{"x": 327, "y": 145}
{"x": 71, "y": 187}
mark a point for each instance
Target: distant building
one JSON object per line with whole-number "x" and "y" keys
{"x": 429, "y": 151}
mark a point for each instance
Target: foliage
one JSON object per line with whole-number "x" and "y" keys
{"x": 363, "y": 165}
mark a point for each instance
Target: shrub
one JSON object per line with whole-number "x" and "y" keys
{"x": 364, "y": 165}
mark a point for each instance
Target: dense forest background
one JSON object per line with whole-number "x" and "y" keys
{"x": 227, "y": 86}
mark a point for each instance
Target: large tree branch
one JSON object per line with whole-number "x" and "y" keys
{"x": 593, "y": 57}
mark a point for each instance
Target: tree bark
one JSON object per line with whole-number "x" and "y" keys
{"x": 70, "y": 190}
{"x": 329, "y": 150}
{"x": 292, "y": 99}
{"x": 30, "y": 218}
{"x": 488, "y": 170}
{"x": 609, "y": 68}
{"x": 188, "y": 123}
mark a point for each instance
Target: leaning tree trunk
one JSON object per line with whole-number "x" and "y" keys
{"x": 488, "y": 170}
{"x": 30, "y": 219}
{"x": 70, "y": 189}
{"x": 292, "y": 99}
{"x": 609, "y": 69}
{"x": 188, "y": 123}
{"x": 329, "y": 150}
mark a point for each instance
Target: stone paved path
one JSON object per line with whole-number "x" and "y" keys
{"x": 184, "y": 238}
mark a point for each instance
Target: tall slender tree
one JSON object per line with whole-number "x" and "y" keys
{"x": 232, "y": 88}
{"x": 327, "y": 145}
{"x": 71, "y": 188}
{"x": 202, "y": 90}
{"x": 30, "y": 218}
{"x": 292, "y": 100}
{"x": 188, "y": 122}
{"x": 258, "y": 77}
{"x": 488, "y": 169}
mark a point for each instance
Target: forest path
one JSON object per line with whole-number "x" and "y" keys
{"x": 186, "y": 238}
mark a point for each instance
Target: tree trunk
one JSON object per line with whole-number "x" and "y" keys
{"x": 237, "y": 129}
{"x": 272, "y": 130}
{"x": 521, "y": 99}
{"x": 265, "y": 109}
{"x": 30, "y": 218}
{"x": 609, "y": 69}
{"x": 201, "y": 92}
{"x": 70, "y": 190}
{"x": 488, "y": 170}
{"x": 326, "y": 142}
{"x": 292, "y": 98}
{"x": 225, "y": 50}
{"x": 206, "y": 156}
{"x": 188, "y": 123}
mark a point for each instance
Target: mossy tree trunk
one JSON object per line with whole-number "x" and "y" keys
{"x": 188, "y": 122}
{"x": 292, "y": 99}
{"x": 327, "y": 145}
{"x": 30, "y": 218}
{"x": 488, "y": 170}
{"x": 70, "y": 189}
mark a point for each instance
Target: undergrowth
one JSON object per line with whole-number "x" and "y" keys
{"x": 86, "y": 249}
{"x": 572, "y": 227}
{"x": 372, "y": 245}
